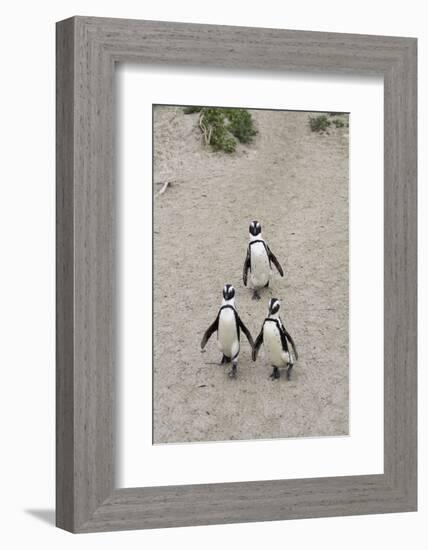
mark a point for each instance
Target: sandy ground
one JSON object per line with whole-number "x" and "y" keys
{"x": 295, "y": 182}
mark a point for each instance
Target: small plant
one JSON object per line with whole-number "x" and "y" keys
{"x": 222, "y": 128}
{"x": 240, "y": 124}
{"x": 319, "y": 123}
{"x": 339, "y": 123}
{"x": 191, "y": 109}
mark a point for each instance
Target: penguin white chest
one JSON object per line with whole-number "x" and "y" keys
{"x": 273, "y": 345}
{"x": 260, "y": 267}
{"x": 228, "y": 342}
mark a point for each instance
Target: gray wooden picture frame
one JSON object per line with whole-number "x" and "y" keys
{"x": 87, "y": 51}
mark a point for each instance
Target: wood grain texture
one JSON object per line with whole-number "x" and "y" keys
{"x": 87, "y": 49}
{"x": 64, "y": 276}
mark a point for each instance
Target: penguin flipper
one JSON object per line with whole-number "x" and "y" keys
{"x": 246, "y": 267}
{"x": 245, "y": 331}
{"x": 209, "y": 332}
{"x": 275, "y": 262}
{"x": 290, "y": 339}
{"x": 258, "y": 343}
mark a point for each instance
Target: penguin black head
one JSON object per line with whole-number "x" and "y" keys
{"x": 228, "y": 292}
{"x": 255, "y": 228}
{"x": 274, "y": 305}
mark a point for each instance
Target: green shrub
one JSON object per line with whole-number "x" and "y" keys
{"x": 191, "y": 109}
{"x": 339, "y": 123}
{"x": 319, "y": 123}
{"x": 222, "y": 127}
{"x": 240, "y": 124}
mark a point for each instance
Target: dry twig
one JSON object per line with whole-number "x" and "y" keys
{"x": 164, "y": 188}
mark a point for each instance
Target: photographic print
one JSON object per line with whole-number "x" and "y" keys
{"x": 250, "y": 274}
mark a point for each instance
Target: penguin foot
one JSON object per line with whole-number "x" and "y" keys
{"x": 275, "y": 373}
{"x": 290, "y": 366}
{"x": 256, "y": 295}
{"x": 232, "y": 372}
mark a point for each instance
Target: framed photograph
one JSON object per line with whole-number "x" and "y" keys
{"x": 236, "y": 274}
{"x": 238, "y": 193}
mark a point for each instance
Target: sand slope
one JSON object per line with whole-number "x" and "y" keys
{"x": 295, "y": 183}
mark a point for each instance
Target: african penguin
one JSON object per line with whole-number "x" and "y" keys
{"x": 258, "y": 261}
{"x": 228, "y": 325}
{"x": 276, "y": 340}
